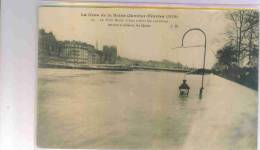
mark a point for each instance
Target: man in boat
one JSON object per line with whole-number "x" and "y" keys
{"x": 184, "y": 88}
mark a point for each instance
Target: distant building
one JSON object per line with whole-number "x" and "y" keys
{"x": 80, "y": 52}
{"x": 52, "y": 50}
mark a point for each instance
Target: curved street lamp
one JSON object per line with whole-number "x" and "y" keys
{"x": 204, "y": 58}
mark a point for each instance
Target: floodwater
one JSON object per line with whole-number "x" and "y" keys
{"x": 116, "y": 110}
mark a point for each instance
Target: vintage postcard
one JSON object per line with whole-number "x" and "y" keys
{"x": 147, "y": 77}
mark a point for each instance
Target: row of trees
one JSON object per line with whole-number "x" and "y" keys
{"x": 238, "y": 59}
{"x": 243, "y": 44}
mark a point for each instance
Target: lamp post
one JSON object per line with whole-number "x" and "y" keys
{"x": 204, "y": 58}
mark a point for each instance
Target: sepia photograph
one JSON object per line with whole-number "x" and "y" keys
{"x": 147, "y": 77}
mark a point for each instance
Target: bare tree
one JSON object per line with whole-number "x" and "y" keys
{"x": 244, "y": 34}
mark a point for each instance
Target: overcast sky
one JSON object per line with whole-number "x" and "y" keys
{"x": 154, "y": 43}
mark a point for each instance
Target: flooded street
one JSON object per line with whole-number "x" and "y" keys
{"x": 141, "y": 109}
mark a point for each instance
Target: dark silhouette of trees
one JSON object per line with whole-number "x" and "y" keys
{"x": 243, "y": 35}
{"x": 227, "y": 56}
{"x": 48, "y": 45}
{"x": 238, "y": 59}
{"x": 109, "y": 54}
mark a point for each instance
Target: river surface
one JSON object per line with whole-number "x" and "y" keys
{"x": 116, "y": 110}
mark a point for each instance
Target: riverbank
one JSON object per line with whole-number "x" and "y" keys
{"x": 86, "y": 67}
{"x": 247, "y": 76}
{"x": 112, "y": 67}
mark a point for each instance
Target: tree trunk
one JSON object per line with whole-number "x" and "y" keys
{"x": 250, "y": 47}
